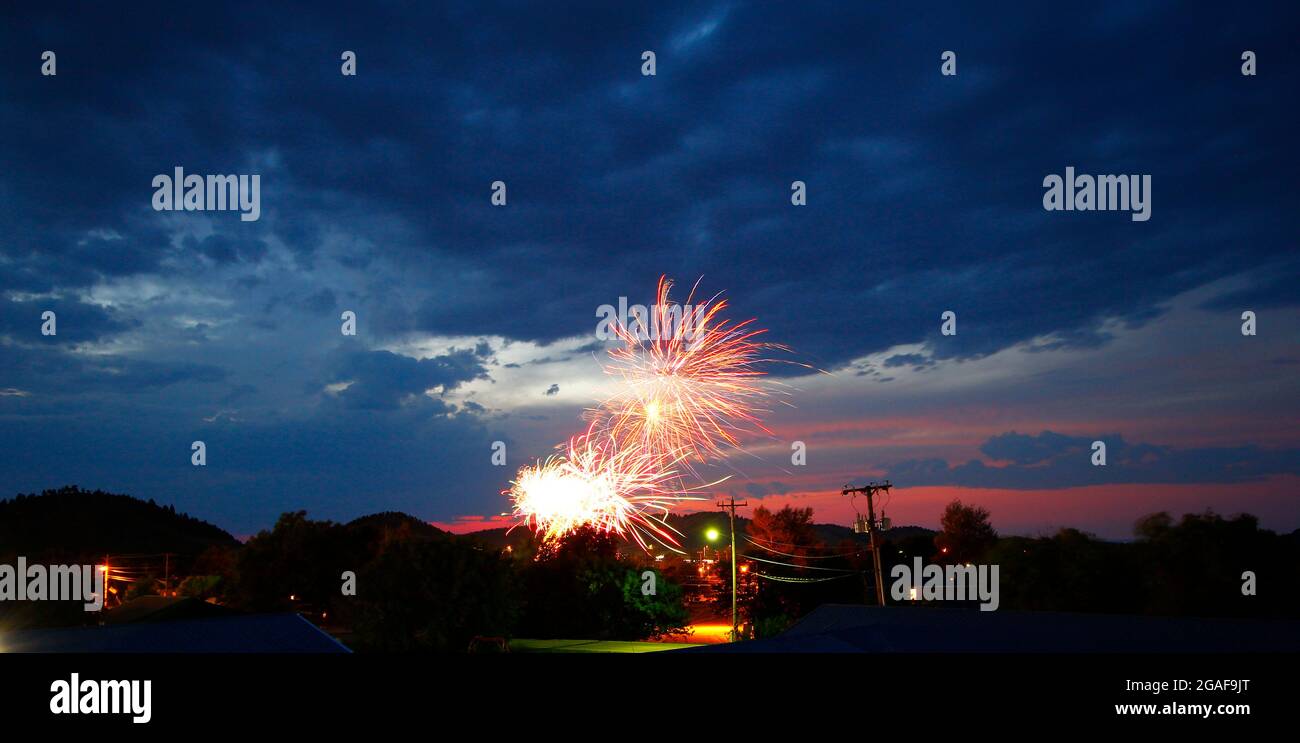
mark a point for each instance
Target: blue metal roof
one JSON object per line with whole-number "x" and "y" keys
{"x": 913, "y": 629}
{"x": 247, "y": 633}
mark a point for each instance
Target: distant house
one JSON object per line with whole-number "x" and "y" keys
{"x": 156, "y": 624}
{"x": 910, "y": 629}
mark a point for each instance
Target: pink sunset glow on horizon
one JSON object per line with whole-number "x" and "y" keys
{"x": 1109, "y": 511}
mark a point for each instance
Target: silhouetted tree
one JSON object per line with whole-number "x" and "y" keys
{"x": 787, "y": 536}
{"x": 583, "y": 587}
{"x": 433, "y": 593}
{"x": 1069, "y": 571}
{"x": 299, "y": 558}
{"x": 1195, "y": 567}
{"x": 788, "y": 530}
{"x": 966, "y": 533}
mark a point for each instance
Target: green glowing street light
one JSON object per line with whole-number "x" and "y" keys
{"x": 712, "y": 534}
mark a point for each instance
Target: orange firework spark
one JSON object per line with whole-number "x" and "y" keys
{"x": 601, "y": 485}
{"x": 688, "y": 379}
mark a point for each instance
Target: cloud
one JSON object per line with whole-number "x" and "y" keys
{"x": 357, "y": 185}
{"x": 75, "y": 321}
{"x": 225, "y": 248}
{"x": 914, "y": 360}
{"x": 1269, "y": 287}
{"x": 758, "y": 489}
{"x": 382, "y": 380}
{"x": 1027, "y": 449}
{"x": 62, "y": 374}
{"x": 1050, "y": 460}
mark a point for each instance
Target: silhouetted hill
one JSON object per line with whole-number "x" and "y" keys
{"x": 78, "y": 526}
{"x": 693, "y": 527}
{"x": 375, "y": 524}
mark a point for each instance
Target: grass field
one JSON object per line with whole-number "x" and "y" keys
{"x": 593, "y": 646}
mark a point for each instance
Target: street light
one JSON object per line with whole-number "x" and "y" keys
{"x": 712, "y": 534}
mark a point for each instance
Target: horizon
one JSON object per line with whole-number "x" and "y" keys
{"x": 469, "y": 527}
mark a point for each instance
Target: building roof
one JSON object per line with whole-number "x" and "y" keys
{"x": 164, "y": 609}
{"x": 247, "y": 633}
{"x": 838, "y": 628}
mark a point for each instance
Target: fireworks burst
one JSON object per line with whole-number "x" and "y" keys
{"x": 598, "y": 484}
{"x": 689, "y": 381}
{"x": 688, "y": 389}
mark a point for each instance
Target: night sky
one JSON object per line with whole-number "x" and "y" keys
{"x": 476, "y": 322}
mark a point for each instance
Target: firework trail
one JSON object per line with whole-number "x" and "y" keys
{"x": 688, "y": 389}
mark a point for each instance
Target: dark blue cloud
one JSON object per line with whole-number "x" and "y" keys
{"x": 227, "y": 248}
{"x": 1271, "y": 286}
{"x": 759, "y": 489}
{"x": 1051, "y": 460}
{"x": 383, "y": 380}
{"x": 924, "y": 190}
{"x": 60, "y": 374}
{"x": 1020, "y": 448}
{"x": 75, "y": 321}
{"x": 914, "y": 360}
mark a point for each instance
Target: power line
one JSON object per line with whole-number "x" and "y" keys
{"x": 784, "y": 579}
{"x": 800, "y": 567}
{"x": 808, "y": 557}
{"x": 752, "y": 538}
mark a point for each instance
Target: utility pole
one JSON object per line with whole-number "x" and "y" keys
{"x": 731, "y": 505}
{"x": 167, "y": 572}
{"x": 870, "y": 489}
